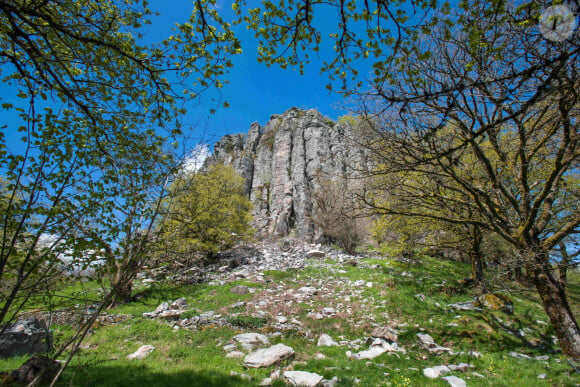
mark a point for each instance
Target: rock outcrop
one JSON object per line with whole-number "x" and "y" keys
{"x": 285, "y": 162}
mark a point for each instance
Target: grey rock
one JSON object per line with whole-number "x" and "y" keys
{"x": 519, "y": 355}
{"x": 315, "y": 254}
{"x": 141, "y": 353}
{"x": 542, "y": 376}
{"x": 26, "y": 336}
{"x": 303, "y": 378}
{"x": 454, "y": 381}
{"x": 387, "y": 333}
{"x": 180, "y": 303}
{"x": 426, "y": 342}
{"x": 308, "y": 291}
{"x": 435, "y": 372}
{"x": 326, "y": 341}
{"x": 268, "y": 356}
{"x": 252, "y": 339}
{"x": 235, "y": 355}
{"x": 281, "y": 163}
{"x": 460, "y": 367}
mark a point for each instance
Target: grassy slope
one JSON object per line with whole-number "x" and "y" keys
{"x": 196, "y": 358}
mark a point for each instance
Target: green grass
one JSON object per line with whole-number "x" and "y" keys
{"x": 196, "y": 358}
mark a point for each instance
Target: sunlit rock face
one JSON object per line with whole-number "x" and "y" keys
{"x": 285, "y": 162}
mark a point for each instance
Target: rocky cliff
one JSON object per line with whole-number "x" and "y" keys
{"x": 285, "y": 162}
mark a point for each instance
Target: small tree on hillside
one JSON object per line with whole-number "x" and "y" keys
{"x": 205, "y": 212}
{"x": 336, "y": 213}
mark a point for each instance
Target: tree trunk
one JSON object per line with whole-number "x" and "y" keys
{"x": 476, "y": 258}
{"x": 563, "y": 265}
{"x": 122, "y": 294}
{"x": 553, "y": 296}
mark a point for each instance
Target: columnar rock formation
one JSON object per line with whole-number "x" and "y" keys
{"x": 284, "y": 162}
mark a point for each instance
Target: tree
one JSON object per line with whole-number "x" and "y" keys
{"x": 336, "y": 212}
{"x": 205, "y": 212}
{"x": 85, "y": 150}
{"x": 488, "y": 112}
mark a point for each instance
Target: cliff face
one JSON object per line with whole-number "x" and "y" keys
{"x": 284, "y": 163}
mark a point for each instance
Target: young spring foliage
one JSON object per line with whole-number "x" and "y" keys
{"x": 205, "y": 212}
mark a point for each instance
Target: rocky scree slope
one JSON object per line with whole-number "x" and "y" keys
{"x": 285, "y": 162}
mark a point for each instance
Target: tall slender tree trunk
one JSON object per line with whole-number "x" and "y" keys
{"x": 476, "y": 257}
{"x": 553, "y": 295}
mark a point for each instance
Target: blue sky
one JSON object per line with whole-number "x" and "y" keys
{"x": 255, "y": 92}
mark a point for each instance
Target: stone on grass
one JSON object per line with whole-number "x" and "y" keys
{"x": 141, "y": 353}
{"x": 315, "y": 254}
{"x": 308, "y": 291}
{"x": 26, "y": 336}
{"x": 386, "y": 333}
{"x": 326, "y": 341}
{"x": 303, "y": 378}
{"x": 454, "y": 381}
{"x": 426, "y": 342}
{"x": 235, "y": 355}
{"x": 519, "y": 355}
{"x": 459, "y": 367}
{"x": 435, "y": 372}
{"x": 370, "y": 353}
{"x": 251, "y": 338}
{"x": 268, "y": 356}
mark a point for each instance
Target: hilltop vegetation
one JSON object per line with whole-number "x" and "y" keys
{"x": 351, "y": 295}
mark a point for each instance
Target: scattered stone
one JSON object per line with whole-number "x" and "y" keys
{"x": 319, "y": 356}
{"x": 435, "y": 372}
{"x": 370, "y": 353}
{"x": 281, "y": 319}
{"x": 467, "y": 305}
{"x": 386, "y": 333}
{"x": 238, "y": 305}
{"x": 268, "y": 356}
{"x": 315, "y": 254}
{"x": 326, "y": 341}
{"x": 235, "y": 355}
{"x": 240, "y": 375}
{"x": 308, "y": 291}
{"x": 180, "y": 303}
{"x": 454, "y": 381}
{"x": 328, "y": 311}
{"x": 426, "y": 342}
{"x": 26, "y": 336}
{"x": 460, "y": 367}
{"x": 251, "y": 338}
{"x": 542, "y": 358}
{"x": 329, "y": 383}
{"x": 519, "y": 355}
{"x": 229, "y": 347}
{"x": 141, "y": 353}
{"x": 303, "y": 378}
{"x": 420, "y": 297}
{"x": 542, "y": 376}
{"x": 241, "y": 290}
